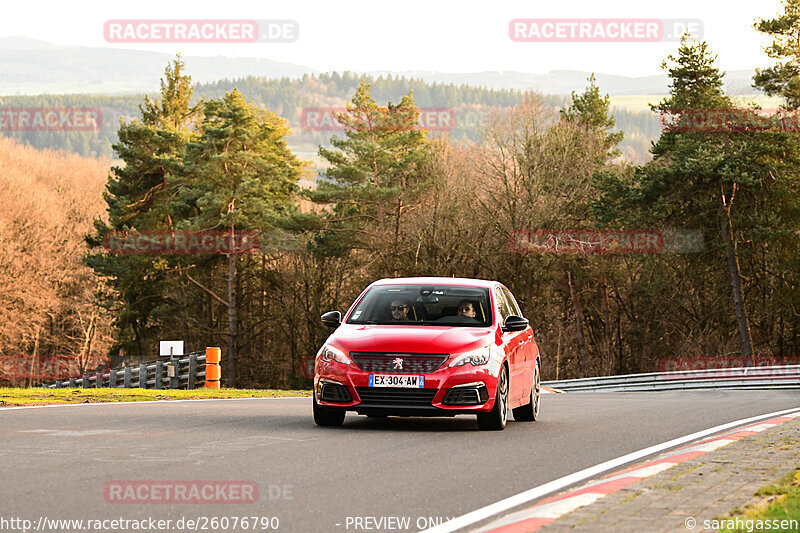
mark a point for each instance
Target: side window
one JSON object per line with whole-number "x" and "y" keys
{"x": 502, "y": 305}
{"x": 512, "y": 302}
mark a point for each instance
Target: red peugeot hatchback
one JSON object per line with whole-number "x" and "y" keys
{"x": 429, "y": 347}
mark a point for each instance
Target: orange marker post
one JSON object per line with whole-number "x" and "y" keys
{"x": 213, "y": 368}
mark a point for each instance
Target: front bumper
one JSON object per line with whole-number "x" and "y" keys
{"x": 448, "y": 391}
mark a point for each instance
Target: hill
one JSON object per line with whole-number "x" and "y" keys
{"x": 31, "y": 66}
{"x": 309, "y": 103}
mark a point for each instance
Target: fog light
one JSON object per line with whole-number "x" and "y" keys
{"x": 333, "y": 392}
{"x": 470, "y": 394}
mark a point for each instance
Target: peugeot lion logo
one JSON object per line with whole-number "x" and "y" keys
{"x": 398, "y": 363}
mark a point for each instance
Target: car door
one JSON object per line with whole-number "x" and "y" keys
{"x": 526, "y": 346}
{"x": 511, "y": 346}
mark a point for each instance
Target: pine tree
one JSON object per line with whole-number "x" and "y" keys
{"x": 782, "y": 79}
{"x": 593, "y": 111}
{"x": 718, "y": 182}
{"x": 374, "y": 176}
{"x": 140, "y": 197}
{"x": 239, "y": 175}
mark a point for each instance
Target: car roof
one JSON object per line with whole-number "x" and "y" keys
{"x": 462, "y": 282}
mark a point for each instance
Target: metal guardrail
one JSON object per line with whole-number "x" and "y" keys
{"x": 183, "y": 372}
{"x": 757, "y": 377}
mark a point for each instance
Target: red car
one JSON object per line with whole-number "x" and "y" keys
{"x": 429, "y": 347}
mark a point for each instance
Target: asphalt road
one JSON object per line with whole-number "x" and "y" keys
{"x": 57, "y": 461}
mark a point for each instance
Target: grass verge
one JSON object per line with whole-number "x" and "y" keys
{"x": 780, "y": 505}
{"x": 17, "y": 396}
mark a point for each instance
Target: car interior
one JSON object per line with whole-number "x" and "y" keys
{"x": 437, "y": 305}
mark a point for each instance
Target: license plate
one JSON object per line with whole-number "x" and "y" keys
{"x": 407, "y": 381}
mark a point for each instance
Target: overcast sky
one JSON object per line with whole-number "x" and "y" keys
{"x": 434, "y": 35}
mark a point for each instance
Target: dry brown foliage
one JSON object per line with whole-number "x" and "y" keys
{"x": 47, "y": 304}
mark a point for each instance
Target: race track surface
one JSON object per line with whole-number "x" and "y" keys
{"x": 56, "y": 461}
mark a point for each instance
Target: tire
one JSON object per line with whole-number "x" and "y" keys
{"x": 495, "y": 420}
{"x": 328, "y": 416}
{"x": 530, "y": 412}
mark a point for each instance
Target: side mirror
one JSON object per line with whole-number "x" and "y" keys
{"x": 332, "y": 319}
{"x": 515, "y": 323}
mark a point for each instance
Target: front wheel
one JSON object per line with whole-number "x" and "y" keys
{"x": 327, "y": 416}
{"x": 496, "y": 419}
{"x": 530, "y": 412}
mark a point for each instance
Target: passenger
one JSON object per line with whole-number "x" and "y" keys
{"x": 399, "y": 310}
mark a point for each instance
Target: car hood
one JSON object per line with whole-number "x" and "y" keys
{"x": 410, "y": 339}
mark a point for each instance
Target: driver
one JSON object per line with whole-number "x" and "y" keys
{"x": 399, "y": 310}
{"x": 466, "y": 308}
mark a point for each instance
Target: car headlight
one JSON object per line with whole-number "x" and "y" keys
{"x": 475, "y": 357}
{"x": 328, "y": 353}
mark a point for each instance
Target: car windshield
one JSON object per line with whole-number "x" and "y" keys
{"x": 439, "y": 305}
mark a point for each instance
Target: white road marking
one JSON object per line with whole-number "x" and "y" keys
{"x": 562, "y": 507}
{"x": 77, "y": 432}
{"x": 759, "y": 427}
{"x": 549, "y": 510}
{"x": 709, "y": 446}
{"x": 558, "y": 484}
{"x": 645, "y": 471}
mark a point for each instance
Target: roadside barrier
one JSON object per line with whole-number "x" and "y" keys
{"x": 189, "y": 371}
{"x": 756, "y": 377}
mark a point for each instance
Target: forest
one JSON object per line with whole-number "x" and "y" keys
{"x": 391, "y": 199}
{"x": 290, "y": 97}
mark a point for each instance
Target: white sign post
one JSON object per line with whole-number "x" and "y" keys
{"x": 170, "y": 348}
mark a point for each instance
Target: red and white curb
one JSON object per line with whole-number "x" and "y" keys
{"x": 550, "y": 509}
{"x": 550, "y": 390}
{"x": 534, "y": 494}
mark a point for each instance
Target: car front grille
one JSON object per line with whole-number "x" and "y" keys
{"x": 393, "y": 396}
{"x": 398, "y": 363}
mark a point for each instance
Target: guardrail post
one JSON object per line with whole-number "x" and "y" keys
{"x": 142, "y": 376}
{"x": 98, "y": 380}
{"x": 126, "y": 379}
{"x": 213, "y": 369}
{"x": 159, "y": 373}
{"x": 174, "y": 373}
{"x": 112, "y": 379}
{"x": 85, "y": 382}
{"x": 192, "y": 371}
